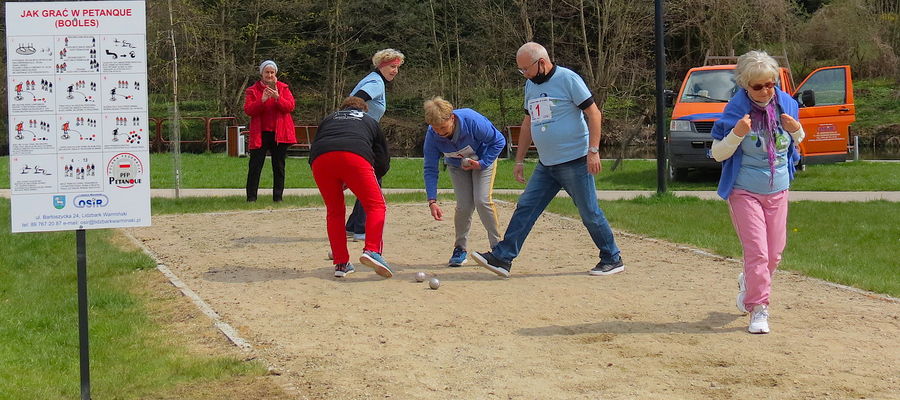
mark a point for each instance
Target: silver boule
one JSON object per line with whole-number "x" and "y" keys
{"x": 434, "y": 283}
{"x": 420, "y": 276}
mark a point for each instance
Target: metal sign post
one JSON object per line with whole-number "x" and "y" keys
{"x": 81, "y": 252}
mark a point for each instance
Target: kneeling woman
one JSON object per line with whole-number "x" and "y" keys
{"x": 350, "y": 151}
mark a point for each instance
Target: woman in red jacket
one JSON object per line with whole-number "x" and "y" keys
{"x": 269, "y": 104}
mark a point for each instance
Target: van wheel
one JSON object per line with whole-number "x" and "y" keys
{"x": 677, "y": 174}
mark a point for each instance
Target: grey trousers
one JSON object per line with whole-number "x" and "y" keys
{"x": 473, "y": 190}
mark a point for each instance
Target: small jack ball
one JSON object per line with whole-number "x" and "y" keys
{"x": 420, "y": 276}
{"x": 434, "y": 283}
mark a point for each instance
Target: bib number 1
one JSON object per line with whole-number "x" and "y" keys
{"x": 540, "y": 109}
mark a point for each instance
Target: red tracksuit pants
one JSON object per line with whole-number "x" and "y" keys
{"x": 332, "y": 171}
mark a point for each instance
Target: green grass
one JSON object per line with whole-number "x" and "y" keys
{"x": 39, "y": 353}
{"x": 876, "y": 103}
{"x": 219, "y": 171}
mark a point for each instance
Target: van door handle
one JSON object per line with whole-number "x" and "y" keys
{"x": 843, "y": 109}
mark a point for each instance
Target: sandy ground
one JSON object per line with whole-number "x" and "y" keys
{"x": 666, "y": 328}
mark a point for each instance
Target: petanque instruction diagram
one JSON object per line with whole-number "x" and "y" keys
{"x": 79, "y": 155}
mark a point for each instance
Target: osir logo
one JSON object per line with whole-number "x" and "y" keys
{"x": 90, "y": 201}
{"x": 125, "y": 170}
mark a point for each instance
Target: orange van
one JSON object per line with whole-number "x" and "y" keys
{"x": 826, "y": 112}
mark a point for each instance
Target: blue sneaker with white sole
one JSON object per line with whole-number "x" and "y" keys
{"x": 458, "y": 258}
{"x": 374, "y": 260}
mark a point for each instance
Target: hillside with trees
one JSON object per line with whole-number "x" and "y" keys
{"x": 464, "y": 50}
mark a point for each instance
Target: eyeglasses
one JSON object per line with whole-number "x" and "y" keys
{"x": 522, "y": 70}
{"x": 758, "y": 87}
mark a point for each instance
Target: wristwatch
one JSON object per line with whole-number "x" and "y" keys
{"x": 593, "y": 149}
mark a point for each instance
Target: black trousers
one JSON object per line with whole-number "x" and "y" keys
{"x": 258, "y": 158}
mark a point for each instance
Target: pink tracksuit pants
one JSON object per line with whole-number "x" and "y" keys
{"x": 761, "y": 224}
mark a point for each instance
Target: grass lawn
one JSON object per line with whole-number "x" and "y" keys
{"x": 219, "y": 171}
{"x": 135, "y": 352}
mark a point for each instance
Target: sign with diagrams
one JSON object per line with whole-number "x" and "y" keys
{"x": 78, "y": 115}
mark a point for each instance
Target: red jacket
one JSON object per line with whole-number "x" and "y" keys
{"x": 282, "y": 107}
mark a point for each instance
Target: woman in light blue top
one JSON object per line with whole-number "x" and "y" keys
{"x": 470, "y": 144}
{"x": 373, "y": 89}
{"x": 755, "y": 140}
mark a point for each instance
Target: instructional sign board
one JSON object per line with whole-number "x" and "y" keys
{"x": 78, "y": 115}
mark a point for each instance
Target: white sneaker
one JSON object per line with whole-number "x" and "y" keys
{"x": 742, "y": 290}
{"x": 759, "y": 319}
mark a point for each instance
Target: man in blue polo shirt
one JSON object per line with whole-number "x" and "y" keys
{"x": 557, "y": 102}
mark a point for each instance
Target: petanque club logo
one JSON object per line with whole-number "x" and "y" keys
{"x": 125, "y": 170}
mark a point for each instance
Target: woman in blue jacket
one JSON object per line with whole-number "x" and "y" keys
{"x": 470, "y": 144}
{"x": 756, "y": 141}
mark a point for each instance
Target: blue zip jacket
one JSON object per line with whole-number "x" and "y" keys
{"x": 475, "y": 132}
{"x": 737, "y": 107}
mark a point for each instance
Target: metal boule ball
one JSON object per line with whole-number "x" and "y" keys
{"x": 420, "y": 276}
{"x": 434, "y": 283}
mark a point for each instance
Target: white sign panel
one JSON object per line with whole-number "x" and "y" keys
{"x": 78, "y": 115}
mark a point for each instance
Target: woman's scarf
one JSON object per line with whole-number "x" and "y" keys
{"x": 764, "y": 119}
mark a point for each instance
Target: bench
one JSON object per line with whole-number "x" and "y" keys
{"x": 305, "y": 135}
{"x": 512, "y": 140}
{"x": 237, "y": 139}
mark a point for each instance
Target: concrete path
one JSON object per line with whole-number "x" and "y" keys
{"x": 601, "y": 194}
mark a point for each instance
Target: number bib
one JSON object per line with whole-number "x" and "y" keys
{"x": 539, "y": 109}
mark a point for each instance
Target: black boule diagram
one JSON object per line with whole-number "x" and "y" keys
{"x": 80, "y": 88}
{"x": 128, "y": 86}
{"x": 132, "y": 136}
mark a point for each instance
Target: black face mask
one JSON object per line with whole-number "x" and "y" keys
{"x": 540, "y": 77}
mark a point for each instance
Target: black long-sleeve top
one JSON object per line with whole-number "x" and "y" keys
{"x": 352, "y": 131}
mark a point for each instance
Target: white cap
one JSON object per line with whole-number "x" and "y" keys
{"x": 267, "y": 63}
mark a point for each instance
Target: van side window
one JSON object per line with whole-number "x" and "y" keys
{"x": 829, "y": 86}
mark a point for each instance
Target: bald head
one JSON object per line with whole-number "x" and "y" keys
{"x": 532, "y": 51}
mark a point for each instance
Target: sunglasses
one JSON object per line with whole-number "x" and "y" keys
{"x": 767, "y": 85}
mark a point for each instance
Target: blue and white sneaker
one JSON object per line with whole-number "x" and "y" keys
{"x": 342, "y": 270}
{"x": 374, "y": 260}
{"x": 458, "y": 258}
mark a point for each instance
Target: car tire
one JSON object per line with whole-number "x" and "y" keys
{"x": 677, "y": 174}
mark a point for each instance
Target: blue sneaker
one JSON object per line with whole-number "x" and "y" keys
{"x": 342, "y": 270}
{"x": 359, "y": 237}
{"x": 374, "y": 260}
{"x": 458, "y": 258}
